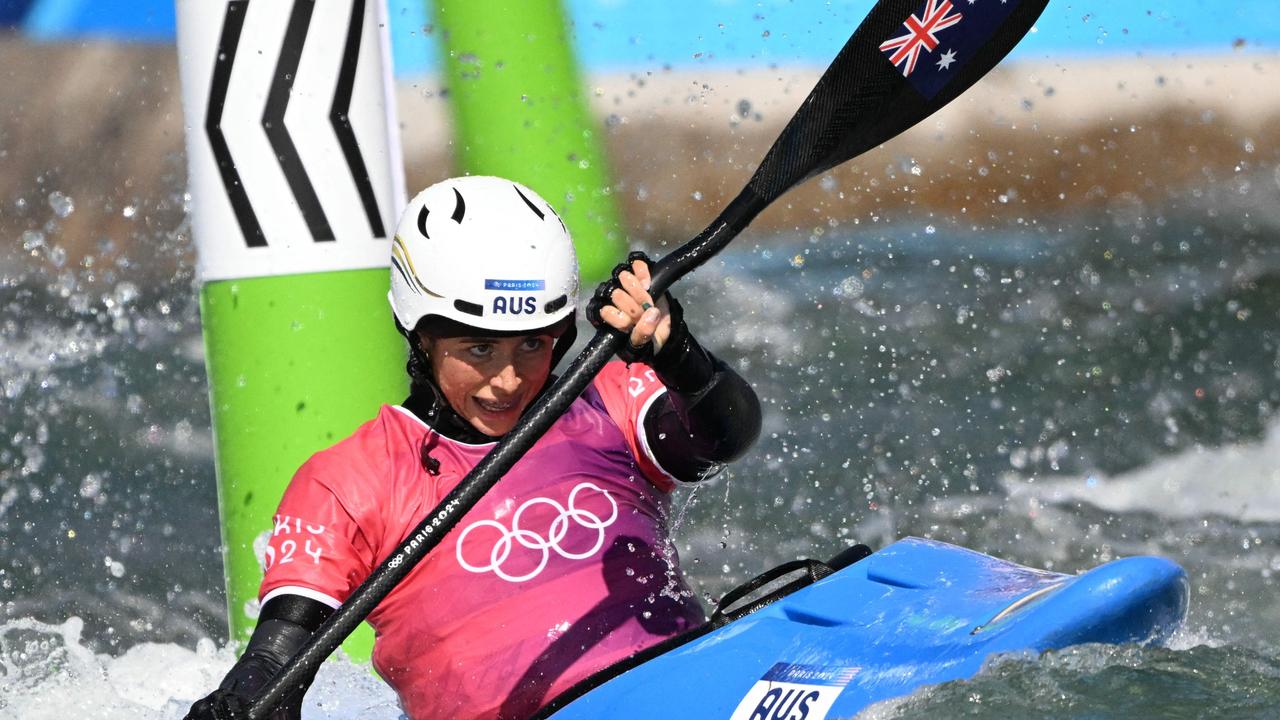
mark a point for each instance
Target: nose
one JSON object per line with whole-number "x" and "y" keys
{"x": 507, "y": 380}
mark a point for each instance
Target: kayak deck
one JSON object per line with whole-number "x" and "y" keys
{"x": 916, "y": 613}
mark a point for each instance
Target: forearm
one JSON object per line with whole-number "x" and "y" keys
{"x": 709, "y": 416}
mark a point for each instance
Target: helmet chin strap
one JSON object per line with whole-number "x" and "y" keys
{"x": 563, "y": 343}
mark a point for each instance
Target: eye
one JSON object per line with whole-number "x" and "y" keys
{"x": 532, "y": 344}
{"x": 480, "y": 351}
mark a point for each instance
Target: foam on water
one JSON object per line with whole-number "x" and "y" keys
{"x": 1102, "y": 681}
{"x": 46, "y": 673}
{"x": 1237, "y": 481}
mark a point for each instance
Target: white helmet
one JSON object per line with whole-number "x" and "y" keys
{"x": 484, "y": 252}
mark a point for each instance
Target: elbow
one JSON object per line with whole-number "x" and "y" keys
{"x": 748, "y": 431}
{"x": 741, "y": 424}
{"x": 715, "y": 429}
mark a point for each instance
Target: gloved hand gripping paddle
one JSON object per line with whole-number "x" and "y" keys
{"x": 603, "y": 297}
{"x": 872, "y": 91}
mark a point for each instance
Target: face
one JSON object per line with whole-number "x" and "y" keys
{"x": 490, "y": 381}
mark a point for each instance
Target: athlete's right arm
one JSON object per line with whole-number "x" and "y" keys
{"x": 285, "y": 624}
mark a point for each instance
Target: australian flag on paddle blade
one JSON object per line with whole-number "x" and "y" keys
{"x": 941, "y": 37}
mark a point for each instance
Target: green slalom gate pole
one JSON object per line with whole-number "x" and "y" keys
{"x": 296, "y": 182}
{"x": 519, "y": 112}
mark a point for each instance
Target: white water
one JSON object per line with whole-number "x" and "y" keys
{"x": 47, "y": 674}
{"x": 1236, "y": 481}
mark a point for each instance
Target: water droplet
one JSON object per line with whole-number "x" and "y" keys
{"x": 1018, "y": 458}
{"x": 123, "y": 294}
{"x": 33, "y": 239}
{"x": 851, "y": 287}
{"x": 62, "y": 204}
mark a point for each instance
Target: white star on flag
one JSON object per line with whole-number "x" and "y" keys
{"x": 947, "y": 58}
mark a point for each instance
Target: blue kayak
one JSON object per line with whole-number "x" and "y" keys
{"x": 916, "y": 613}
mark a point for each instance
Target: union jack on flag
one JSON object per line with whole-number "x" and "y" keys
{"x": 922, "y": 34}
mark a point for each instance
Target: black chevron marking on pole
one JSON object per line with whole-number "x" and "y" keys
{"x": 342, "y": 123}
{"x": 295, "y": 37}
{"x": 228, "y": 43}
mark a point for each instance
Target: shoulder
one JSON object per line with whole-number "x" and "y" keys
{"x": 627, "y": 393}
{"x": 628, "y": 383}
{"x": 370, "y": 454}
{"x": 393, "y": 424}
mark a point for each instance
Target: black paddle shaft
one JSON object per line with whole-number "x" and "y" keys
{"x": 861, "y": 101}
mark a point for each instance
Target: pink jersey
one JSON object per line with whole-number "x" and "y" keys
{"x": 562, "y": 569}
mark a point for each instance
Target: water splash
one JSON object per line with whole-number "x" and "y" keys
{"x": 1180, "y": 485}
{"x": 46, "y": 673}
{"x": 1103, "y": 682}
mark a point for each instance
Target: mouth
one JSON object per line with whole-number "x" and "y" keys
{"x": 497, "y": 407}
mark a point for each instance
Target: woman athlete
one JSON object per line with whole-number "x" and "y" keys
{"x": 565, "y": 566}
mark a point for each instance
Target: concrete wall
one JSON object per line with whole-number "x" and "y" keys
{"x": 102, "y": 124}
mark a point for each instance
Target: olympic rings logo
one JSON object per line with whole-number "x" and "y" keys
{"x": 526, "y": 538}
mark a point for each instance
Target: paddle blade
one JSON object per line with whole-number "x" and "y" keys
{"x": 905, "y": 61}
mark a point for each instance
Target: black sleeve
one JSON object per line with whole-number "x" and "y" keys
{"x": 285, "y": 624}
{"x": 709, "y": 415}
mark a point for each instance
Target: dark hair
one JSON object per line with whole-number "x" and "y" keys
{"x": 419, "y": 368}
{"x": 418, "y": 365}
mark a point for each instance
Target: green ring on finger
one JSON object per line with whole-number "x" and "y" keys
{"x": 645, "y": 306}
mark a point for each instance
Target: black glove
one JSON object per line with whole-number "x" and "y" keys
{"x": 602, "y": 298}
{"x": 274, "y": 641}
{"x": 220, "y": 705}
{"x": 284, "y": 626}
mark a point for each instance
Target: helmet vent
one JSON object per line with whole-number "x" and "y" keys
{"x": 469, "y": 308}
{"x": 541, "y": 215}
{"x": 422, "y": 222}
{"x": 460, "y": 209}
{"x": 554, "y": 305}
